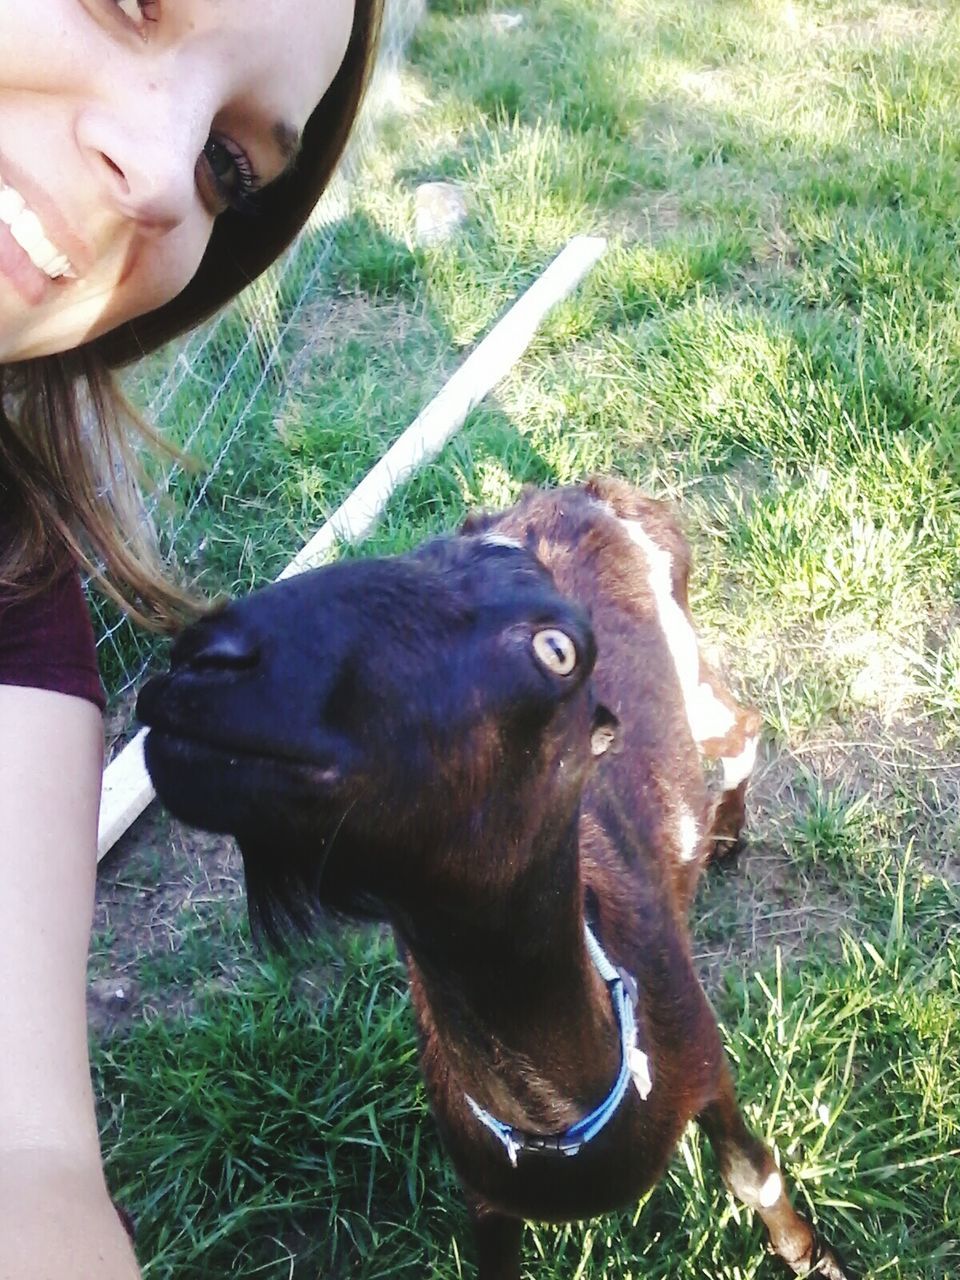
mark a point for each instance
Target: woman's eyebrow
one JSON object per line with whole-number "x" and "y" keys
{"x": 288, "y": 140}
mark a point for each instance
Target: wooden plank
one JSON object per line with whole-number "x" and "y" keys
{"x": 125, "y": 794}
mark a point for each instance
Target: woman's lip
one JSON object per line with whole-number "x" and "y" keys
{"x": 29, "y": 281}
{"x": 55, "y": 225}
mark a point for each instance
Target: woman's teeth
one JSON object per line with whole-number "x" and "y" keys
{"x": 27, "y": 229}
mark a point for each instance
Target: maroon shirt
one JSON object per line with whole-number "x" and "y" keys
{"x": 46, "y": 640}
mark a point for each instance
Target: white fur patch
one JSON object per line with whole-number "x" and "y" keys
{"x": 771, "y": 1191}
{"x": 736, "y": 768}
{"x": 706, "y": 714}
{"x": 689, "y": 836}
{"x": 639, "y": 1065}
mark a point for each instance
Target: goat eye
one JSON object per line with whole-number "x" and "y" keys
{"x": 555, "y": 650}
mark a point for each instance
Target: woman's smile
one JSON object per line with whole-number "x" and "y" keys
{"x": 37, "y": 245}
{"x": 31, "y": 235}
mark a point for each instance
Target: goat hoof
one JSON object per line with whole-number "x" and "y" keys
{"x": 726, "y": 850}
{"x": 819, "y": 1261}
{"x": 828, "y": 1265}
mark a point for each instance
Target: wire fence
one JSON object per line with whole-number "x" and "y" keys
{"x": 214, "y": 394}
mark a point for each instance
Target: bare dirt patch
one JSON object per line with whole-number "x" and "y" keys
{"x": 861, "y": 787}
{"x": 328, "y": 323}
{"x": 765, "y": 901}
{"x": 904, "y": 793}
{"x": 648, "y": 217}
{"x": 166, "y": 899}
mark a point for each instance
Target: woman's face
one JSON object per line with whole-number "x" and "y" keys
{"x": 126, "y": 126}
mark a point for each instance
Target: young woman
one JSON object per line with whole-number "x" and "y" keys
{"x": 155, "y": 156}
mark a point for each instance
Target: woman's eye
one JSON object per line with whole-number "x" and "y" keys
{"x": 139, "y": 12}
{"x": 230, "y": 173}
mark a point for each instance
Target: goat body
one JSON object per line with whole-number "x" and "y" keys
{"x": 494, "y": 743}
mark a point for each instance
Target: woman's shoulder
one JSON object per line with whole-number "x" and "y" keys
{"x": 47, "y": 640}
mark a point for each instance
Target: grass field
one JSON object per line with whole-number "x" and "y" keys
{"x": 773, "y": 340}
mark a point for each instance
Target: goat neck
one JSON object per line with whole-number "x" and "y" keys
{"x": 507, "y": 995}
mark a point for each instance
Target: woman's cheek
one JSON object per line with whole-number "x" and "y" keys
{"x": 156, "y": 271}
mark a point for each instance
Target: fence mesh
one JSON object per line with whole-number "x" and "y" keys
{"x": 214, "y": 394}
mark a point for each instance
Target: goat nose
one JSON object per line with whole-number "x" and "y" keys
{"x": 216, "y": 644}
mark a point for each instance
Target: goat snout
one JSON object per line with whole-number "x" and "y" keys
{"x": 220, "y": 643}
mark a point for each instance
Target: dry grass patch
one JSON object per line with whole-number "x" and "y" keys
{"x": 888, "y": 24}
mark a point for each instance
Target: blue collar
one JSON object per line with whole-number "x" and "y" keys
{"x": 634, "y": 1066}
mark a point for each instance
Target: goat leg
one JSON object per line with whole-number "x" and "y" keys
{"x": 497, "y": 1238}
{"x": 728, "y": 819}
{"x": 751, "y": 1175}
{"x": 737, "y": 752}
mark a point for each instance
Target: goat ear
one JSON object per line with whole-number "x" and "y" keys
{"x": 605, "y": 734}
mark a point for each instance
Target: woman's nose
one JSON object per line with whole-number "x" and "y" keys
{"x": 143, "y": 151}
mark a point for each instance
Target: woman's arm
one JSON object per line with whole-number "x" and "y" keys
{"x": 56, "y": 1219}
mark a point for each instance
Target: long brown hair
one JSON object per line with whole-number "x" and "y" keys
{"x": 68, "y": 437}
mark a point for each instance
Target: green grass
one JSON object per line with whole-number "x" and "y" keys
{"x": 773, "y": 339}
{"x": 334, "y": 1089}
{"x": 284, "y": 1119}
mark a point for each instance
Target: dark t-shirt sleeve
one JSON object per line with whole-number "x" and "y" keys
{"x": 47, "y": 642}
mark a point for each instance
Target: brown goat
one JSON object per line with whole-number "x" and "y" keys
{"x": 419, "y": 740}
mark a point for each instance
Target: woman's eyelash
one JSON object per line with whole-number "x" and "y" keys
{"x": 234, "y": 178}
